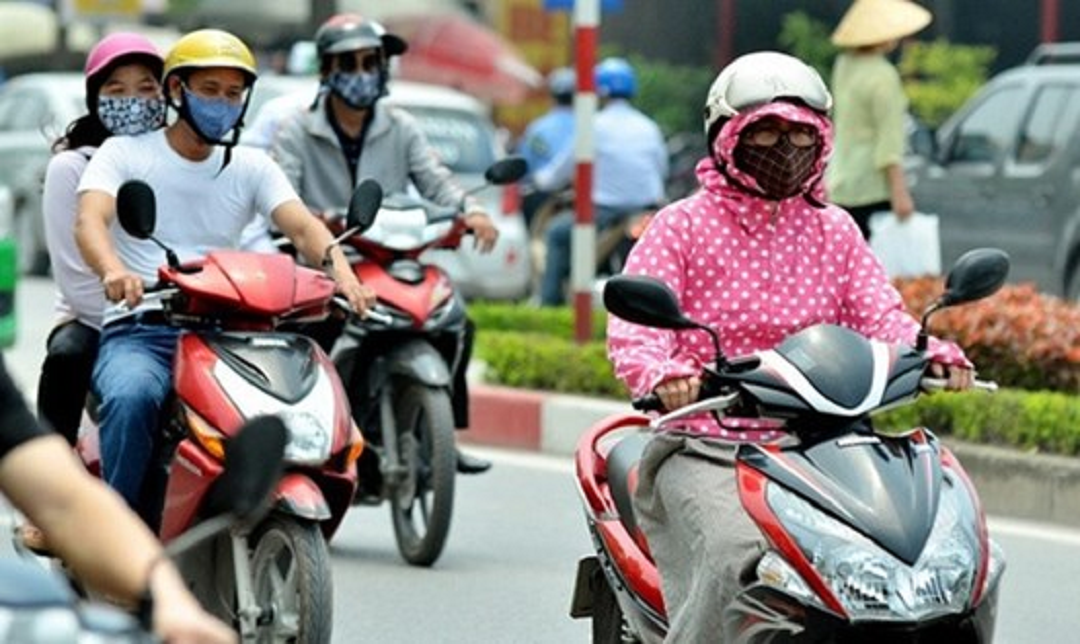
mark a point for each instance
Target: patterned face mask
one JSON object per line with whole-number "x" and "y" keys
{"x": 212, "y": 117}
{"x": 128, "y": 115}
{"x": 359, "y": 91}
{"x": 780, "y": 170}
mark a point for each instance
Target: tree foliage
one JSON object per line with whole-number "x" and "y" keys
{"x": 938, "y": 76}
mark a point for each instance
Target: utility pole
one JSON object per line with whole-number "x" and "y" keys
{"x": 583, "y": 239}
{"x": 320, "y": 11}
{"x": 1050, "y": 21}
{"x": 725, "y": 30}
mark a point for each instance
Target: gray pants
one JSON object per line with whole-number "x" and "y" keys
{"x": 704, "y": 544}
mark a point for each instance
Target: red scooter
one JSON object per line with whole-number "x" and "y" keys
{"x": 869, "y": 537}
{"x": 272, "y": 579}
{"x": 397, "y": 363}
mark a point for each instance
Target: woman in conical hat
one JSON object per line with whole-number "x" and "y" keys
{"x": 866, "y": 172}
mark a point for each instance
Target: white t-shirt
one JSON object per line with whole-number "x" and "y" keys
{"x": 79, "y": 294}
{"x": 200, "y": 206}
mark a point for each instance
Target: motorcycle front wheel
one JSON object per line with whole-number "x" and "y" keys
{"x": 292, "y": 583}
{"x": 422, "y": 503}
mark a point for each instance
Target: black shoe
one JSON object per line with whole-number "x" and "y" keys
{"x": 470, "y": 464}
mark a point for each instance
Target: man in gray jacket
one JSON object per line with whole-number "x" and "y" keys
{"x": 345, "y": 136}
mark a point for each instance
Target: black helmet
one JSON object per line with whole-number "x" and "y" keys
{"x": 350, "y": 31}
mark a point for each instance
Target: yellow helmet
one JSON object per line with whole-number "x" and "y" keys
{"x": 210, "y": 48}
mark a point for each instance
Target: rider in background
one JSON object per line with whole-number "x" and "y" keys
{"x": 207, "y": 190}
{"x": 631, "y": 166}
{"x": 547, "y": 137}
{"x": 757, "y": 255}
{"x": 90, "y": 528}
{"x": 346, "y": 136}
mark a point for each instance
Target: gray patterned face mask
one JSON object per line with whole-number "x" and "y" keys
{"x": 127, "y": 115}
{"x": 359, "y": 91}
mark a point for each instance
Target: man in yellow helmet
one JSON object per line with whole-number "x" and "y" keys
{"x": 204, "y": 201}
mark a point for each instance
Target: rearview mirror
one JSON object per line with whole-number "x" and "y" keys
{"x": 646, "y": 301}
{"x": 506, "y": 171}
{"x": 253, "y": 466}
{"x": 977, "y": 274}
{"x": 136, "y": 207}
{"x": 364, "y": 205}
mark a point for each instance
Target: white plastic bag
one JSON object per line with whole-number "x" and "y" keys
{"x": 908, "y": 248}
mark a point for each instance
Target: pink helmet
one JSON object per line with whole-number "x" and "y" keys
{"x": 110, "y": 49}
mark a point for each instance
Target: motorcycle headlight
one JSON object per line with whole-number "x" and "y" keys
{"x": 310, "y": 421}
{"x": 869, "y": 582}
{"x": 309, "y": 436}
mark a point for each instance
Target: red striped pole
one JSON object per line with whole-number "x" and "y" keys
{"x": 583, "y": 240}
{"x": 1049, "y": 27}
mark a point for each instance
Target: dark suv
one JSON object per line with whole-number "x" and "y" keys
{"x": 1004, "y": 171}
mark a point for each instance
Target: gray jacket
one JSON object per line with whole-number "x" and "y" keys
{"x": 395, "y": 152}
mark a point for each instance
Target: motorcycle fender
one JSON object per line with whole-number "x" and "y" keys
{"x": 582, "y": 603}
{"x": 419, "y": 361}
{"x": 298, "y": 495}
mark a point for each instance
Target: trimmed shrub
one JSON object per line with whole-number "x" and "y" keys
{"x": 1019, "y": 337}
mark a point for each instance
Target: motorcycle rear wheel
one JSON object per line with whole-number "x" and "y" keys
{"x": 292, "y": 581}
{"x": 421, "y": 505}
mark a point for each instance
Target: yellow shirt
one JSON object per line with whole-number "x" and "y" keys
{"x": 868, "y": 113}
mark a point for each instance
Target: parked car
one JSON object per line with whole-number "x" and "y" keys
{"x": 1004, "y": 171}
{"x": 34, "y": 110}
{"x": 460, "y": 129}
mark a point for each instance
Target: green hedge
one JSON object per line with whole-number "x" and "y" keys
{"x": 532, "y": 348}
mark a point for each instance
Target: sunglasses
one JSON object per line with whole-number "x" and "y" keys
{"x": 353, "y": 61}
{"x": 768, "y": 134}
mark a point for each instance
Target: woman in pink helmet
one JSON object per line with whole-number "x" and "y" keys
{"x": 123, "y": 96}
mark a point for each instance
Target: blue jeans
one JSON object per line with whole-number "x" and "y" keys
{"x": 557, "y": 241}
{"x": 132, "y": 379}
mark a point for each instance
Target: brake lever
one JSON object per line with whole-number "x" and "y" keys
{"x": 370, "y": 314}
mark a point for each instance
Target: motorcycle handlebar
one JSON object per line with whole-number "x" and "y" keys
{"x": 370, "y": 314}
{"x": 937, "y": 384}
{"x": 649, "y": 402}
{"x": 652, "y": 402}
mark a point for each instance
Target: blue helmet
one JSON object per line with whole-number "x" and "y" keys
{"x": 615, "y": 79}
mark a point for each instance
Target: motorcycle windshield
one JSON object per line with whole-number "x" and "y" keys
{"x": 405, "y": 229}
{"x": 886, "y": 488}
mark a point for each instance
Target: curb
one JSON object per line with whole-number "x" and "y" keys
{"x": 1014, "y": 484}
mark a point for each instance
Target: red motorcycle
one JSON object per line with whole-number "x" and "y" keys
{"x": 272, "y": 579}
{"x": 397, "y": 363}
{"x": 869, "y": 537}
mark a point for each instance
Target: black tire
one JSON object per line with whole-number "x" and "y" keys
{"x": 290, "y": 567}
{"x": 607, "y": 617}
{"x": 421, "y": 504}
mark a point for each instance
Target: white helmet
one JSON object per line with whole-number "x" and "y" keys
{"x": 763, "y": 77}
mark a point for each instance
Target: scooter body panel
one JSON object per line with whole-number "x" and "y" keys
{"x": 416, "y": 297}
{"x": 297, "y": 494}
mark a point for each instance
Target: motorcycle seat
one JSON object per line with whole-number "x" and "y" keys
{"x": 622, "y": 473}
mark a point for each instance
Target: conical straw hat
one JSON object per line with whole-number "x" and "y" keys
{"x": 872, "y": 22}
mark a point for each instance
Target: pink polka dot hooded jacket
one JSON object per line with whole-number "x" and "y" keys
{"x": 756, "y": 270}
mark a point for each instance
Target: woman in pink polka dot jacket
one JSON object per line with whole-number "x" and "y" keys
{"x": 757, "y": 254}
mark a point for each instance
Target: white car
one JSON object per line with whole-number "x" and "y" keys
{"x": 460, "y": 129}
{"x": 35, "y": 109}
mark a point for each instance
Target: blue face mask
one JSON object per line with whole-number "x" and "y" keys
{"x": 130, "y": 114}
{"x": 212, "y": 117}
{"x": 359, "y": 91}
